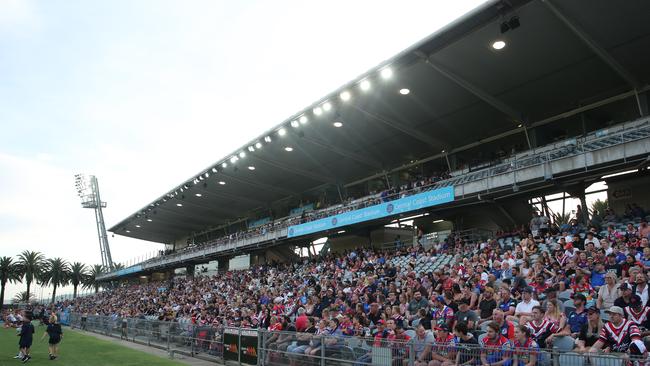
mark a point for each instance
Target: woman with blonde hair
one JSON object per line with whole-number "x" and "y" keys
{"x": 554, "y": 315}
{"x": 56, "y": 334}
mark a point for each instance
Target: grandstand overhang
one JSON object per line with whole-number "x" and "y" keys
{"x": 564, "y": 58}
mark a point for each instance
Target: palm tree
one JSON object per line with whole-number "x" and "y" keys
{"x": 9, "y": 272}
{"x": 91, "y": 279}
{"x": 22, "y": 297}
{"x": 31, "y": 265}
{"x": 117, "y": 266}
{"x": 78, "y": 273}
{"x": 56, "y": 273}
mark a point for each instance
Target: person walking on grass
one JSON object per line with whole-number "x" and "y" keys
{"x": 56, "y": 334}
{"x": 26, "y": 338}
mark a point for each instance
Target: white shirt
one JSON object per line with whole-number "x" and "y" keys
{"x": 526, "y": 308}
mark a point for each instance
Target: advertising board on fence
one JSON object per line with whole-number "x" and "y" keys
{"x": 240, "y": 346}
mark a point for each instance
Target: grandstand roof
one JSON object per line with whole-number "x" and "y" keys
{"x": 462, "y": 92}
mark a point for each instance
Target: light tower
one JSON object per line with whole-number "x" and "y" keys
{"x": 88, "y": 191}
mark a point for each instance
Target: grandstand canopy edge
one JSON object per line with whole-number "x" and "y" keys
{"x": 564, "y": 55}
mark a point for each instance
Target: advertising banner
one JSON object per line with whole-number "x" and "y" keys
{"x": 398, "y": 206}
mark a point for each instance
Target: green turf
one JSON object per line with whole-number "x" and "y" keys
{"x": 76, "y": 349}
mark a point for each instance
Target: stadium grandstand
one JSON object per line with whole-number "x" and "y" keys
{"x": 423, "y": 175}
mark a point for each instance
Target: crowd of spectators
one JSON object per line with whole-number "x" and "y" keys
{"x": 584, "y": 284}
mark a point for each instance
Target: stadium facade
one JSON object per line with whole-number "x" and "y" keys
{"x": 514, "y": 100}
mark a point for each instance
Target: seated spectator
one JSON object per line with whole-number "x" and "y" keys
{"x": 524, "y": 309}
{"x": 494, "y": 346}
{"x": 526, "y": 350}
{"x": 465, "y": 315}
{"x": 540, "y": 327}
{"x": 422, "y": 343}
{"x": 607, "y": 293}
{"x": 618, "y": 334}
{"x": 444, "y": 348}
{"x": 465, "y": 355}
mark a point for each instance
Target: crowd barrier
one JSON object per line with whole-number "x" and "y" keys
{"x": 274, "y": 348}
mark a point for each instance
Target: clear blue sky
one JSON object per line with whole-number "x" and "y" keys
{"x": 146, "y": 93}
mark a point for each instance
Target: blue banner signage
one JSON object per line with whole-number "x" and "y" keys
{"x": 398, "y": 206}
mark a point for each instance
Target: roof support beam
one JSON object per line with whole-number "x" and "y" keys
{"x": 475, "y": 90}
{"x": 266, "y": 187}
{"x": 402, "y": 128}
{"x": 594, "y": 46}
{"x": 294, "y": 170}
{"x": 343, "y": 152}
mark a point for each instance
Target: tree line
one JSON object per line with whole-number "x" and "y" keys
{"x": 31, "y": 267}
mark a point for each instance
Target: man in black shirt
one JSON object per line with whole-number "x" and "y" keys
{"x": 626, "y": 295}
{"x": 613, "y": 266}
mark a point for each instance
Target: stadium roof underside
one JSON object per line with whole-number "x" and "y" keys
{"x": 564, "y": 55}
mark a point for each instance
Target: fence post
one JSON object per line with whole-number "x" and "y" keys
{"x": 239, "y": 346}
{"x": 322, "y": 351}
{"x": 411, "y": 349}
{"x": 260, "y": 351}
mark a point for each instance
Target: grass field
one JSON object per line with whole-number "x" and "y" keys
{"x": 76, "y": 349}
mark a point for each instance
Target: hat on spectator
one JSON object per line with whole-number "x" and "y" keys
{"x": 624, "y": 286}
{"x": 615, "y": 310}
{"x": 593, "y": 309}
{"x": 381, "y": 321}
{"x": 442, "y": 326}
{"x": 440, "y": 298}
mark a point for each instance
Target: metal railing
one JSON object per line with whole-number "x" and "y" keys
{"x": 205, "y": 342}
{"x": 278, "y": 348}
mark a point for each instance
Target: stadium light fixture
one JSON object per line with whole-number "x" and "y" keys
{"x": 179, "y": 204}
{"x": 207, "y": 174}
{"x": 258, "y": 145}
{"x": 251, "y": 148}
{"x": 338, "y": 124}
{"x": 387, "y": 73}
{"x": 137, "y": 225}
{"x": 222, "y": 183}
{"x": 198, "y": 194}
{"x": 295, "y": 124}
{"x": 345, "y": 96}
{"x": 128, "y": 231}
{"x": 437, "y": 221}
{"x": 181, "y": 191}
{"x": 267, "y": 139}
{"x": 201, "y": 177}
{"x": 498, "y": 45}
{"x": 288, "y": 148}
{"x": 327, "y": 106}
{"x": 224, "y": 165}
{"x": 318, "y": 111}
{"x": 214, "y": 170}
{"x": 149, "y": 220}
{"x": 303, "y": 119}
{"x": 404, "y": 91}
{"x": 251, "y": 168}
{"x": 365, "y": 85}
{"x": 282, "y": 132}
{"x": 520, "y": 125}
{"x": 242, "y": 154}
{"x": 233, "y": 160}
